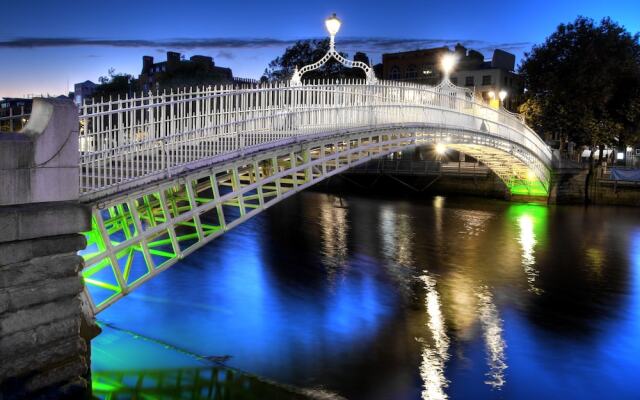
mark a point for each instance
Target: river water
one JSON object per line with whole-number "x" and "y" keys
{"x": 400, "y": 298}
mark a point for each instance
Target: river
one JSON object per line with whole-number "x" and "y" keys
{"x": 389, "y": 297}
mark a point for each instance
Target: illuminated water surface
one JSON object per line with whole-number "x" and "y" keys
{"x": 380, "y": 298}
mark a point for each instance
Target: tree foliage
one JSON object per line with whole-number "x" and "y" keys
{"x": 306, "y": 52}
{"x": 115, "y": 84}
{"x": 583, "y": 83}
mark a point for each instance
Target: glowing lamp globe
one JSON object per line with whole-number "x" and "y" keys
{"x": 502, "y": 95}
{"x": 448, "y": 62}
{"x": 441, "y": 148}
{"x": 333, "y": 25}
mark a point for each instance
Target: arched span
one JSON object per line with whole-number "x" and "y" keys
{"x": 129, "y": 143}
{"x": 521, "y": 171}
{"x": 161, "y": 189}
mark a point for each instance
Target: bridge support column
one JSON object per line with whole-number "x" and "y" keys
{"x": 42, "y": 353}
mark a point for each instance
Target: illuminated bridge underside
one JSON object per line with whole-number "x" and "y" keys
{"x": 167, "y": 173}
{"x": 510, "y": 169}
{"x": 512, "y": 163}
{"x": 138, "y": 235}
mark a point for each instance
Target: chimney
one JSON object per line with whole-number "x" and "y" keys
{"x": 173, "y": 59}
{"x": 147, "y": 63}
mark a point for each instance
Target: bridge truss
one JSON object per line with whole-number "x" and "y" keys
{"x": 166, "y": 173}
{"x": 140, "y": 234}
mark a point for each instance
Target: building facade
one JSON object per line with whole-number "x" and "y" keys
{"x": 83, "y": 90}
{"x": 485, "y": 77}
{"x": 176, "y": 71}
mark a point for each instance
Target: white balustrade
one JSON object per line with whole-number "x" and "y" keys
{"x": 127, "y": 139}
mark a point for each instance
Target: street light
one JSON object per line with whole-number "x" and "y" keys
{"x": 441, "y": 149}
{"x": 502, "y": 95}
{"x": 332, "y": 24}
{"x": 448, "y": 61}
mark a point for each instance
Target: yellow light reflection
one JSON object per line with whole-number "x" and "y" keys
{"x": 397, "y": 235}
{"x": 434, "y": 356}
{"x": 528, "y": 241}
{"x": 334, "y": 234}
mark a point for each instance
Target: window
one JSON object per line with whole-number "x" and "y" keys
{"x": 469, "y": 81}
{"x": 454, "y": 80}
{"x": 412, "y": 72}
{"x": 395, "y": 73}
{"x": 486, "y": 79}
{"x": 505, "y": 81}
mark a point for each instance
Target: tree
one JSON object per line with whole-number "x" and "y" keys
{"x": 583, "y": 83}
{"x": 115, "y": 84}
{"x": 305, "y": 52}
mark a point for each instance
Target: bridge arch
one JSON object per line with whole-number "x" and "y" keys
{"x": 169, "y": 172}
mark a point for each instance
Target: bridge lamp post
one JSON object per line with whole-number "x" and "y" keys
{"x": 503, "y": 95}
{"x": 333, "y": 24}
{"x": 447, "y": 63}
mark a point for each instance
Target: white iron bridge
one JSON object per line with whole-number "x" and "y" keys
{"x": 167, "y": 173}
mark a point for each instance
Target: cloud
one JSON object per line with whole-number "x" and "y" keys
{"x": 350, "y": 44}
{"x": 225, "y": 54}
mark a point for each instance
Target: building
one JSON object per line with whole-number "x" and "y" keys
{"x": 14, "y": 113}
{"x": 472, "y": 71}
{"x": 176, "y": 71}
{"x": 83, "y": 90}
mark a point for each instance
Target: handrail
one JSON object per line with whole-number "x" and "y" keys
{"x": 133, "y": 137}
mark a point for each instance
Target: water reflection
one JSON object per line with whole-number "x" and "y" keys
{"x": 203, "y": 383}
{"x": 318, "y": 292}
{"x": 434, "y": 356}
{"x": 334, "y": 226}
{"x": 530, "y": 218}
{"x": 527, "y": 240}
{"x": 397, "y": 235}
{"x": 494, "y": 342}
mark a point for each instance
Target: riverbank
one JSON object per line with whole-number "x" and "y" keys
{"x": 568, "y": 187}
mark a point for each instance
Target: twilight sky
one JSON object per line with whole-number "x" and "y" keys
{"x": 48, "y": 45}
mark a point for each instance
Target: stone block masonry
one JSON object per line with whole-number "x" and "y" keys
{"x": 42, "y": 352}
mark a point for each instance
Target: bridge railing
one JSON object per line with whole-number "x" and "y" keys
{"x": 127, "y": 139}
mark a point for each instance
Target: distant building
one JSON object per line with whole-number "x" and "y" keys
{"x": 198, "y": 70}
{"x": 15, "y": 106}
{"x": 83, "y": 90}
{"x": 14, "y": 113}
{"x": 472, "y": 70}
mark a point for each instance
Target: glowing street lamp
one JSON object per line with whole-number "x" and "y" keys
{"x": 441, "y": 149}
{"x": 503, "y": 95}
{"x": 332, "y": 24}
{"x": 447, "y": 62}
